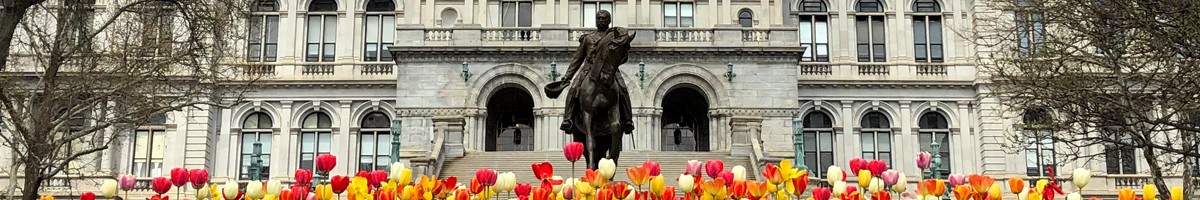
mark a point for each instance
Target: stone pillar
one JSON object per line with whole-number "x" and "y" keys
{"x": 646, "y": 18}
{"x": 468, "y": 14}
{"x": 342, "y": 135}
{"x": 633, "y": 12}
{"x": 910, "y": 143}
{"x": 563, "y": 14}
{"x": 283, "y": 167}
{"x": 482, "y": 18}
{"x": 430, "y": 13}
{"x": 451, "y": 129}
{"x": 776, "y": 13}
{"x": 726, "y": 10}
{"x": 744, "y": 129}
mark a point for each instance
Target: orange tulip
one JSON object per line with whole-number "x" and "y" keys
{"x": 593, "y": 177}
{"x": 980, "y": 183}
{"x": 619, "y": 190}
{"x": 715, "y": 188}
{"x": 881, "y": 195}
{"x": 475, "y": 186}
{"x": 962, "y": 192}
{"x": 756, "y": 189}
{"x": 1125, "y": 194}
{"x": 1015, "y": 185}
{"x": 638, "y": 175}
{"x": 604, "y": 194}
{"x": 668, "y": 193}
{"x": 773, "y": 174}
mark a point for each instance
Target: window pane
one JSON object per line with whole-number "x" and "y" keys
{"x": 330, "y": 28}
{"x": 822, "y": 27}
{"x": 589, "y": 15}
{"x": 877, "y": 31}
{"x": 366, "y": 163}
{"x": 389, "y": 29}
{"x": 936, "y": 51}
{"x": 328, "y": 56}
{"x": 370, "y": 53}
{"x": 810, "y": 160}
{"x": 508, "y": 14}
{"x": 806, "y": 32}
{"x": 272, "y": 29}
{"x": 670, "y": 9}
{"x": 307, "y": 144}
{"x": 385, "y": 144}
{"x": 606, "y": 6}
{"x": 822, "y": 52}
{"x": 868, "y": 142}
{"x": 526, "y": 14}
{"x": 826, "y": 160}
{"x": 372, "y": 29}
{"x": 808, "y": 52}
{"x": 935, "y": 30}
{"x": 314, "y": 28}
{"x": 810, "y": 137}
{"x": 325, "y": 140}
{"x": 921, "y": 53}
{"x": 367, "y": 143}
{"x": 256, "y": 29}
{"x": 861, "y": 27}
{"x": 685, "y": 10}
{"x": 142, "y": 145}
{"x": 884, "y": 141}
{"x": 919, "y": 31}
{"x": 864, "y": 53}
{"x": 160, "y": 145}
{"x": 826, "y": 141}
{"x": 685, "y": 21}
{"x": 880, "y": 53}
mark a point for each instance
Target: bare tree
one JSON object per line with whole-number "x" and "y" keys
{"x": 1118, "y": 75}
{"x": 74, "y": 76}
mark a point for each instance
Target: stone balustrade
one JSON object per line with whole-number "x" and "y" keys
{"x": 562, "y": 35}
{"x": 812, "y": 71}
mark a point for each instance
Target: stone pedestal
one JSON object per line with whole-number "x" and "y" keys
{"x": 744, "y": 129}
{"x": 451, "y": 129}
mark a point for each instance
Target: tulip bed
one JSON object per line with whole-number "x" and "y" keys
{"x": 875, "y": 181}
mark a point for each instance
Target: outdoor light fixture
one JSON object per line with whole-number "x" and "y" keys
{"x": 554, "y": 71}
{"x": 729, "y": 72}
{"x": 466, "y": 74}
{"x": 641, "y": 74}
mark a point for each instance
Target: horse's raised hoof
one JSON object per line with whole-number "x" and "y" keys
{"x": 565, "y": 126}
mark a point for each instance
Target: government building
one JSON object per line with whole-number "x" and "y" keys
{"x": 458, "y": 85}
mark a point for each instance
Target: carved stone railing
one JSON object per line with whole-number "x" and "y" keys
{"x": 511, "y": 34}
{"x": 317, "y": 70}
{"x": 931, "y": 70}
{"x": 683, "y": 35}
{"x": 873, "y": 70}
{"x": 375, "y": 69}
{"x": 440, "y": 34}
{"x": 258, "y": 70}
{"x": 756, "y": 35}
{"x": 1130, "y": 180}
{"x": 574, "y": 34}
{"x": 815, "y": 69}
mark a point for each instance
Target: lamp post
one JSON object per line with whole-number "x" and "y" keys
{"x": 395, "y": 156}
{"x": 466, "y": 74}
{"x": 798, "y": 140}
{"x": 937, "y": 159}
{"x": 256, "y": 162}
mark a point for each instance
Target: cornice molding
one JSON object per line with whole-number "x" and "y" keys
{"x": 561, "y": 53}
{"x": 332, "y": 84}
{"x": 867, "y": 84}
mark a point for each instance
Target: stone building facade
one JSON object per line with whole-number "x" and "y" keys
{"x": 871, "y": 78}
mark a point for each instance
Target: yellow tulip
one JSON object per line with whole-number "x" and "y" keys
{"x": 994, "y": 192}
{"x": 47, "y": 197}
{"x": 1125, "y": 194}
{"x": 782, "y": 195}
{"x": 324, "y": 192}
{"x": 772, "y": 187}
{"x": 359, "y": 185}
{"x": 270, "y": 197}
{"x": 216, "y": 195}
{"x": 656, "y": 185}
{"x": 864, "y": 178}
{"x": 1035, "y": 195}
{"x": 486, "y": 194}
{"x": 1176, "y": 193}
{"x": 1149, "y": 192}
{"x": 785, "y": 169}
{"x": 583, "y": 188}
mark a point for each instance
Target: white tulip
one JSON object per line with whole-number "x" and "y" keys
{"x": 274, "y": 187}
{"x": 687, "y": 183}
{"x": 556, "y": 188}
{"x": 901, "y": 184}
{"x": 608, "y": 168}
{"x": 109, "y": 189}
{"x": 631, "y": 195}
{"x": 739, "y": 173}
{"x": 203, "y": 194}
{"x": 931, "y": 197}
{"x": 230, "y": 190}
{"x": 506, "y": 181}
{"x": 839, "y": 188}
{"x": 1074, "y": 196}
{"x": 568, "y": 184}
{"x": 835, "y": 174}
{"x": 396, "y": 170}
{"x": 254, "y": 190}
{"x": 1081, "y": 177}
{"x": 876, "y": 185}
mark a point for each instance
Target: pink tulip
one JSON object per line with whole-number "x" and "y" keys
{"x": 523, "y": 190}
{"x": 486, "y": 177}
{"x": 877, "y": 167}
{"x": 728, "y": 176}
{"x": 822, "y": 193}
{"x": 160, "y": 185}
{"x": 303, "y": 177}
{"x": 693, "y": 167}
{"x": 857, "y": 164}
{"x": 198, "y": 177}
{"x": 908, "y": 196}
{"x": 573, "y": 151}
{"x": 890, "y": 177}
{"x": 128, "y": 181}
{"x": 714, "y": 168}
{"x": 179, "y": 176}
{"x": 924, "y": 159}
{"x": 957, "y": 179}
{"x": 377, "y": 177}
{"x": 655, "y": 169}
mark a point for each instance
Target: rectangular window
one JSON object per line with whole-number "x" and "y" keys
{"x": 375, "y": 150}
{"x": 1039, "y": 153}
{"x": 814, "y": 36}
{"x": 247, "y": 154}
{"x": 818, "y": 150}
{"x": 1031, "y": 32}
{"x": 678, "y": 14}
{"x": 1121, "y": 159}
{"x": 516, "y": 14}
{"x": 943, "y": 138}
{"x": 148, "y": 149}
{"x": 322, "y": 32}
{"x": 927, "y": 34}
{"x": 380, "y": 32}
{"x": 590, "y": 9}
{"x": 311, "y": 145}
{"x": 871, "y": 38}
{"x": 877, "y": 145}
{"x": 264, "y": 38}
{"x": 157, "y": 30}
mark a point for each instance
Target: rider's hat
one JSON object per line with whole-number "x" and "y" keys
{"x": 554, "y": 89}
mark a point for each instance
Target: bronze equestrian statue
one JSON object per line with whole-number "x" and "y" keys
{"x": 598, "y": 108}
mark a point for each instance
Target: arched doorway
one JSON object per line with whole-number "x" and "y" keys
{"x": 510, "y": 120}
{"x": 684, "y": 120}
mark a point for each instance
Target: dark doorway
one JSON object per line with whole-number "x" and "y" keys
{"x": 510, "y": 120}
{"x": 684, "y": 120}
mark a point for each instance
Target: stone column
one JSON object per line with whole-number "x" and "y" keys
{"x": 910, "y": 143}
{"x": 340, "y": 143}
{"x": 281, "y": 167}
{"x": 970, "y": 139}
{"x": 468, "y": 14}
{"x": 744, "y": 129}
{"x": 776, "y": 12}
{"x": 726, "y": 10}
{"x": 482, "y": 18}
{"x": 430, "y": 13}
{"x": 646, "y": 18}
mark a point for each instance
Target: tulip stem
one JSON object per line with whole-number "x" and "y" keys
{"x": 573, "y": 170}
{"x": 179, "y": 193}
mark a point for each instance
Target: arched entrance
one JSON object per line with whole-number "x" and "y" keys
{"x": 685, "y": 120}
{"x": 510, "y": 120}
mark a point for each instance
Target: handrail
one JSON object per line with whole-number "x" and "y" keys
{"x": 756, "y": 148}
{"x": 439, "y": 157}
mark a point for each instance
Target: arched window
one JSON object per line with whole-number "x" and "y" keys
{"x": 818, "y": 141}
{"x": 1118, "y": 159}
{"x": 927, "y": 31}
{"x": 933, "y": 126}
{"x": 876, "y": 137}
{"x": 316, "y": 132}
{"x": 375, "y": 141}
{"x": 149, "y": 146}
{"x": 814, "y": 31}
{"x": 256, "y": 127}
{"x": 869, "y": 26}
{"x": 263, "y": 43}
{"x": 449, "y": 17}
{"x": 746, "y": 18}
{"x": 1039, "y": 146}
{"x": 380, "y": 30}
{"x": 322, "y": 31}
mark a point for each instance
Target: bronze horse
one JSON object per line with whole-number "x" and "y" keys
{"x": 598, "y": 103}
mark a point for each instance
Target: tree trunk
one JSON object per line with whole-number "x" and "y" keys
{"x": 1156, "y": 171}
{"x": 10, "y": 17}
{"x": 33, "y": 180}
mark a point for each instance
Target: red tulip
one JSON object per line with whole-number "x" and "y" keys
{"x": 486, "y": 176}
{"x": 727, "y": 175}
{"x": 179, "y": 176}
{"x": 644, "y": 195}
{"x": 821, "y": 193}
{"x": 604, "y": 194}
{"x": 286, "y": 194}
{"x": 877, "y": 167}
{"x": 881, "y": 195}
{"x": 543, "y": 171}
{"x": 668, "y": 193}
{"x": 198, "y": 177}
{"x": 377, "y": 177}
{"x": 299, "y": 192}
{"x": 303, "y": 177}
{"x": 655, "y": 169}
{"x": 772, "y": 174}
{"x": 87, "y": 196}
{"x": 325, "y": 163}
{"x": 160, "y": 185}
{"x": 461, "y": 195}
{"x": 543, "y": 194}
{"x": 573, "y": 151}
{"x": 714, "y": 168}
{"x": 737, "y": 189}
{"x": 619, "y": 189}
{"x": 158, "y": 197}
{"x": 857, "y": 164}
{"x": 475, "y": 186}
{"x": 339, "y": 183}
{"x": 523, "y": 190}
{"x": 363, "y": 174}
{"x": 450, "y": 183}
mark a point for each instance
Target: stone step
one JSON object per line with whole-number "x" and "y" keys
{"x": 520, "y": 163}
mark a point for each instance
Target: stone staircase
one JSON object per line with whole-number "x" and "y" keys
{"x": 519, "y": 162}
